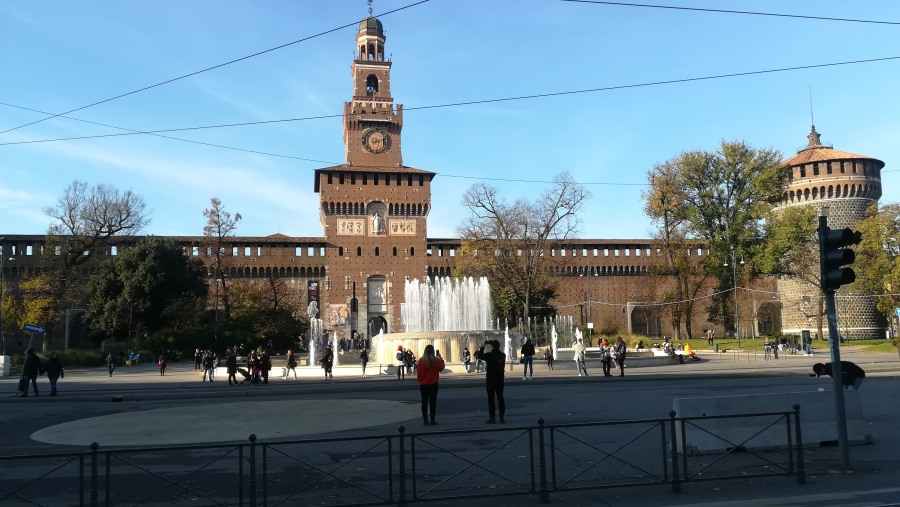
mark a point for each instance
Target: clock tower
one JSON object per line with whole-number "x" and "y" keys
{"x": 371, "y": 123}
{"x": 373, "y": 209}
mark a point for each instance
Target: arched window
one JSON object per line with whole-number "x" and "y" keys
{"x": 395, "y": 251}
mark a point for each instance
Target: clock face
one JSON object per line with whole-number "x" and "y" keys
{"x": 376, "y": 140}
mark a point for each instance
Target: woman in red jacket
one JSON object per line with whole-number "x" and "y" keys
{"x": 427, "y": 372}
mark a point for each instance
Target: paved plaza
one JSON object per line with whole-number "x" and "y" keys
{"x": 138, "y": 407}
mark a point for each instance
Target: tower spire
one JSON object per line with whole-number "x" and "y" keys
{"x": 370, "y": 6}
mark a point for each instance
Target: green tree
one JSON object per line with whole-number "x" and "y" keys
{"x": 265, "y": 313}
{"x": 726, "y": 196}
{"x": 877, "y": 266}
{"x": 510, "y": 243}
{"x": 679, "y": 279}
{"x": 791, "y": 250}
{"x": 131, "y": 293}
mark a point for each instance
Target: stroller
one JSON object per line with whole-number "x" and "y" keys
{"x": 245, "y": 374}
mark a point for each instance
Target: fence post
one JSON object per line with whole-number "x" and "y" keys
{"x": 252, "y": 482}
{"x": 401, "y": 497}
{"x": 676, "y": 480}
{"x": 542, "y": 463}
{"x": 801, "y": 469}
{"x": 94, "y": 492}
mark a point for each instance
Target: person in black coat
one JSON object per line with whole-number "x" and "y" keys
{"x": 54, "y": 369}
{"x": 495, "y": 363}
{"x": 231, "y": 366}
{"x": 31, "y": 368}
{"x": 851, "y": 374}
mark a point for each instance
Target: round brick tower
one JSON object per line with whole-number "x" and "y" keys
{"x": 822, "y": 176}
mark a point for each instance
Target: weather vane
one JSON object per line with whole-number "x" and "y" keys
{"x": 370, "y": 6}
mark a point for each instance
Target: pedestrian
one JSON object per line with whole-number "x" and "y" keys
{"x": 467, "y": 358}
{"x": 401, "y": 363}
{"x": 209, "y": 365}
{"x": 163, "y": 361}
{"x": 291, "y": 365}
{"x": 527, "y": 353}
{"x": 479, "y": 360}
{"x": 254, "y": 368}
{"x": 231, "y": 367}
{"x": 767, "y": 349}
{"x": 620, "y": 349}
{"x": 710, "y": 337}
{"x": 427, "y": 373}
{"x": 54, "y": 370}
{"x": 606, "y": 357}
{"x": 327, "y": 361}
{"x": 410, "y": 362}
{"x": 110, "y": 363}
{"x": 198, "y": 360}
{"x": 851, "y": 374}
{"x": 363, "y": 359}
{"x": 495, "y": 363}
{"x": 265, "y": 365}
{"x": 580, "y": 365}
{"x": 31, "y": 368}
{"x": 548, "y": 356}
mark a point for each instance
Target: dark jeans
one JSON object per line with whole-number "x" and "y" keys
{"x": 52, "y": 384}
{"x": 495, "y": 390}
{"x": 528, "y": 366}
{"x": 607, "y": 365}
{"x": 429, "y": 399}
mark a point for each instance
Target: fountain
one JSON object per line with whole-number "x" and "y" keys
{"x": 445, "y": 312}
{"x": 553, "y": 341}
{"x": 315, "y": 332}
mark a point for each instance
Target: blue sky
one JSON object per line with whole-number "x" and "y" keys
{"x": 61, "y": 55}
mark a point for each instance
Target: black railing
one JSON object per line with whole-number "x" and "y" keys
{"x": 416, "y": 467}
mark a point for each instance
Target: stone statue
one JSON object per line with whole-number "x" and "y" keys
{"x": 312, "y": 311}
{"x": 377, "y": 224}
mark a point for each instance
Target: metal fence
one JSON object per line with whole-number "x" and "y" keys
{"x": 408, "y": 467}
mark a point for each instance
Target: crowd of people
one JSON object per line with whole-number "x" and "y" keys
{"x": 489, "y": 358}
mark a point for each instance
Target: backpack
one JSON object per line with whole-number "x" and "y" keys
{"x": 400, "y": 356}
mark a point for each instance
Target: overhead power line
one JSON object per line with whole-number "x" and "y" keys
{"x": 207, "y": 69}
{"x": 475, "y": 102}
{"x": 131, "y": 132}
{"x": 728, "y": 11}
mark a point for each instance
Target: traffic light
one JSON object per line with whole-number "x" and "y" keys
{"x": 834, "y": 254}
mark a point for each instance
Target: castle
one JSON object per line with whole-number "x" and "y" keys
{"x": 374, "y": 214}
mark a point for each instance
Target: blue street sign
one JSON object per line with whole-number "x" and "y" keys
{"x": 34, "y": 329}
{"x": 897, "y": 312}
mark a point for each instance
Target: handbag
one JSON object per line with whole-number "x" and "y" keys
{"x": 522, "y": 360}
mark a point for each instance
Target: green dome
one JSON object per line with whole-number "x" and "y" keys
{"x": 371, "y": 25}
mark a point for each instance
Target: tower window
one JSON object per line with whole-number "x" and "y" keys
{"x": 815, "y": 169}
{"x": 371, "y": 85}
{"x": 377, "y": 251}
{"x": 359, "y": 251}
{"x": 395, "y": 251}
{"x": 340, "y": 251}
{"x": 412, "y": 251}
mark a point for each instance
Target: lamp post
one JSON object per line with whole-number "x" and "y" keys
{"x": 734, "y": 263}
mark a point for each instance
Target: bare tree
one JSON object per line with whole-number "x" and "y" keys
{"x": 86, "y": 221}
{"x": 220, "y": 224}
{"x": 511, "y": 243}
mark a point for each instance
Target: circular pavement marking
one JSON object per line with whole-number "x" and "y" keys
{"x": 206, "y": 423}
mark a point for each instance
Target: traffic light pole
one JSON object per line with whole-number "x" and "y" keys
{"x": 835, "y": 346}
